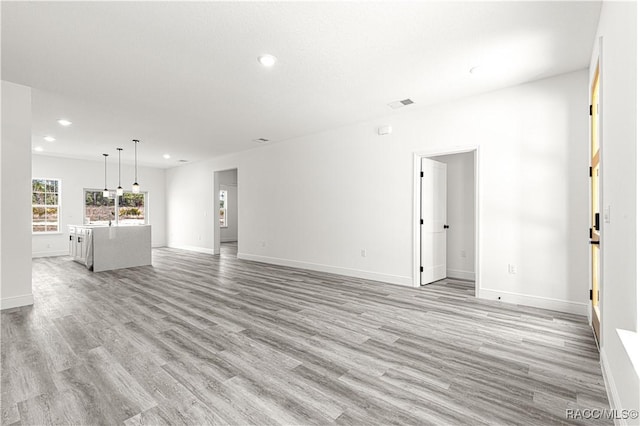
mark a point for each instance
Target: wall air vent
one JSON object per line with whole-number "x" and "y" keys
{"x": 261, "y": 140}
{"x": 400, "y": 104}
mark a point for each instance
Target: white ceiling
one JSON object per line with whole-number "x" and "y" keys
{"x": 183, "y": 77}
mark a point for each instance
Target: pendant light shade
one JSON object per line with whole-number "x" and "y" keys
{"x": 119, "y": 191}
{"x": 105, "y": 193}
{"x": 136, "y": 188}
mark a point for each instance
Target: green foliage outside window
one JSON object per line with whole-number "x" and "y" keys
{"x": 100, "y": 209}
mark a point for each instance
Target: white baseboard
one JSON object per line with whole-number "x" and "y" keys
{"x": 610, "y": 386}
{"x": 49, "y": 253}
{"x": 357, "y": 273}
{"x": 535, "y": 301}
{"x": 16, "y": 301}
{"x": 191, "y": 248}
{"x": 461, "y": 275}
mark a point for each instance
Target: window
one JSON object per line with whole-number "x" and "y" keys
{"x": 223, "y": 208}
{"x": 45, "y": 205}
{"x": 131, "y": 209}
{"x": 99, "y": 210}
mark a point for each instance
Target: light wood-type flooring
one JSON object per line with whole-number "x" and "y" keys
{"x": 200, "y": 339}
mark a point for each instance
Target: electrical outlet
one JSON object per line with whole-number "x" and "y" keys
{"x": 263, "y": 243}
{"x": 463, "y": 254}
{"x": 363, "y": 252}
{"x": 512, "y": 269}
{"x": 199, "y": 237}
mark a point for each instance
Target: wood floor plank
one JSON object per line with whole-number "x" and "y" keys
{"x": 10, "y": 413}
{"x": 197, "y": 339}
{"x": 75, "y": 334}
{"x": 234, "y": 405}
{"x": 305, "y": 395}
{"x": 116, "y": 384}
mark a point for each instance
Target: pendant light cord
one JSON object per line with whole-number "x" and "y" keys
{"x": 119, "y": 172}
{"x": 105, "y": 170}
{"x": 136, "y": 156}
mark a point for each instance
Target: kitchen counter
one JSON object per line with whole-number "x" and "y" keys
{"x": 104, "y": 248}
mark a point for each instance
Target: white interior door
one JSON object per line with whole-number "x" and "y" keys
{"x": 433, "y": 236}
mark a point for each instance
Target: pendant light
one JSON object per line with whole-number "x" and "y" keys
{"x": 105, "y": 193}
{"x": 119, "y": 191}
{"x": 136, "y": 187}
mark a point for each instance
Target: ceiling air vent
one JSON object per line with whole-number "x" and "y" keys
{"x": 400, "y": 104}
{"x": 261, "y": 140}
{"x": 183, "y": 161}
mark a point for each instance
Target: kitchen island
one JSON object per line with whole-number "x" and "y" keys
{"x": 104, "y": 248}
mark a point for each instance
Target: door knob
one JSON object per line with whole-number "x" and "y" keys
{"x": 446, "y": 227}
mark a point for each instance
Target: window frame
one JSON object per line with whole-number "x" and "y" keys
{"x": 116, "y": 211}
{"x": 58, "y": 205}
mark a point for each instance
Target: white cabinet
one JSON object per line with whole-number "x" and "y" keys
{"x": 79, "y": 244}
{"x": 72, "y": 241}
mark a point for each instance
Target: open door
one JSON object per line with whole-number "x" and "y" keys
{"x": 433, "y": 223}
{"x": 594, "y": 231}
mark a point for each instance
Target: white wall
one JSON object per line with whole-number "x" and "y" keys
{"x": 618, "y": 26}
{"x": 461, "y": 245}
{"x": 317, "y": 201}
{"x": 77, "y": 175}
{"x": 229, "y": 182}
{"x": 15, "y": 185}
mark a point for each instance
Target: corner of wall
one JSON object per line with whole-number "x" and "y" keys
{"x": 15, "y": 151}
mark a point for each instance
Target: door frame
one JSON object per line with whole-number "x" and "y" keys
{"x": 417, "y": 166}
{"x": 216, "y": 195}
{"x": 597, "y": 66}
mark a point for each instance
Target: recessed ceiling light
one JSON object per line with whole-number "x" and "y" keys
{"x": 38, "y": 149}
{"x": 166, "y": 156}
{"x": 64, "y": 122}
{"x": 267, "y": 60}
{"x": 49, "y": 138}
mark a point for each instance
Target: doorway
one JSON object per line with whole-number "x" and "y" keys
{"x": 226, "y": 213}
{"x": 594, "y": 230}
{"x": 446, "y": 233}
